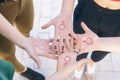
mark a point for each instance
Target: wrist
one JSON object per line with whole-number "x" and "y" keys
{"x": 26, "y": 43}
{"x": 59, "y": 75}
{"x": 99, "y": 44}
{"x": 63, "y": 74}
{"x": 66, "y": 16}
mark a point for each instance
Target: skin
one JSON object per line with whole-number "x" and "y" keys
{"x": 40, "y": 47}
{"x": 111, "y": 44}
{"x": 63, "y": 35}
{"x": 64, "y": 70}
{"x": 28, "y": 44}
{"x": 66, "y": 15}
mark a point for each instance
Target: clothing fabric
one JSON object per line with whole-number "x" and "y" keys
{"x": 6, "y": 70}
{"x": 1, "y": 1}
{"x": 20, "y": 14}
{"x": 104, "y": 22}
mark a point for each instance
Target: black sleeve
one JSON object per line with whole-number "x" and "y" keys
{"x": 77, "y": 13}
{"x": 79, "y": 8}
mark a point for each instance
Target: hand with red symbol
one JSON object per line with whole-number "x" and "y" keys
{"x": 63, "y": 32}
{"x": 67, "y": 62}
{"x": 66, "y": 65}
{"x": 39, "y": 47}
{"x": 67, "y": 58}
{"x": 89, "y": 40}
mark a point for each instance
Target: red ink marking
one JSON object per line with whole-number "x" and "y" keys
{"x": 88, "y": 41}
{"x": 67, "y": 59}
{"x": 63, "y": 22}
{"x": 84, "y": 41}
{"x": 42, "y": 47}
{"x": 61, "y": 26}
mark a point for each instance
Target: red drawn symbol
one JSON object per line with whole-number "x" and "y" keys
{"x": 88, "y": 41}
{"x": 61, "y": 26}
{"x": 67, "y": 59}
{"x": 42, "y": 47}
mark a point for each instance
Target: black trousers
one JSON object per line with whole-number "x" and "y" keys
{"x": 104, "y": 22}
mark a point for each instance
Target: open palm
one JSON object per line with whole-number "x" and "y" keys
{"x": 63, "y": 32}
{"x": 39, "y": 47}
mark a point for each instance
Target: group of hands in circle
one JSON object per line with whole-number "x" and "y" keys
{"x": 65, "y": 46}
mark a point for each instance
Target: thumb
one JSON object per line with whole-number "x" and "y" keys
{"x": 37, "y": 60}
{"x": 81, "y": 62}
{"x": 47, "y": 25}
{"x": 49, "y": 40}
{"x": 85, "y": 27}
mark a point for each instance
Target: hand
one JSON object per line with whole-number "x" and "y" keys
{"x": 89, "y": 40}
{"x": 63, "y": 31}
{"x": 71, "y": 63}
{"x": 39, "y": 47}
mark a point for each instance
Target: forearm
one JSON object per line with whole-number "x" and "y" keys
{"x": 59, "y": 75}
{"x": 67, "y": 7}
{"x": 11, "y": 33}
{"x": 111, "y": 44}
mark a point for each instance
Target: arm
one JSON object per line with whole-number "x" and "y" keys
{"x": 111, "y": 44}
{"x": 63, "y": 26}
{"x": 64, "y": 69}
{"x": 59, "y": 75}
{"x": 67, "y": 7}
{"x": 10, "y": 32}
{"x": 34, "y": 47}
{"x": 63, "y": 75}
{"x": 91, "y": 42}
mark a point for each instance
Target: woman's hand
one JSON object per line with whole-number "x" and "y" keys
{"x": 63, "y": 32}
{"x": 39, "y": 47}
{"x": 67, "y": 62}
{"x": 89, "y": 40}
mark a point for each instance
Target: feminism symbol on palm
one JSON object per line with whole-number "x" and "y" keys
{"x": 42, "y": 47}
{"x": 62, "y": 26}
{"x": 67, "y": 59}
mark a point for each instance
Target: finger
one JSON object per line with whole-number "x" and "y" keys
{"x": 71, "y": 44}
{"x": 55, "y": 53}
{"x": 72, "y": 34}
{"x": 37, "y": 60}
{"x": 52, "y": 51}
{"x": 67, "y": 42}
{"x": 49, "y": 40}
{"x": 74, "y": 43}
{"x": 77, "y": 46}
{"x": 61, "y": 46}
{"x": 65, "y": 49}
{"x": 52, "y": 56}
{"x": 84, "y": 26}
{"x": 54, "y": 44}
{"x": 47, "y": 25}
{"x": 81, "y": 62}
